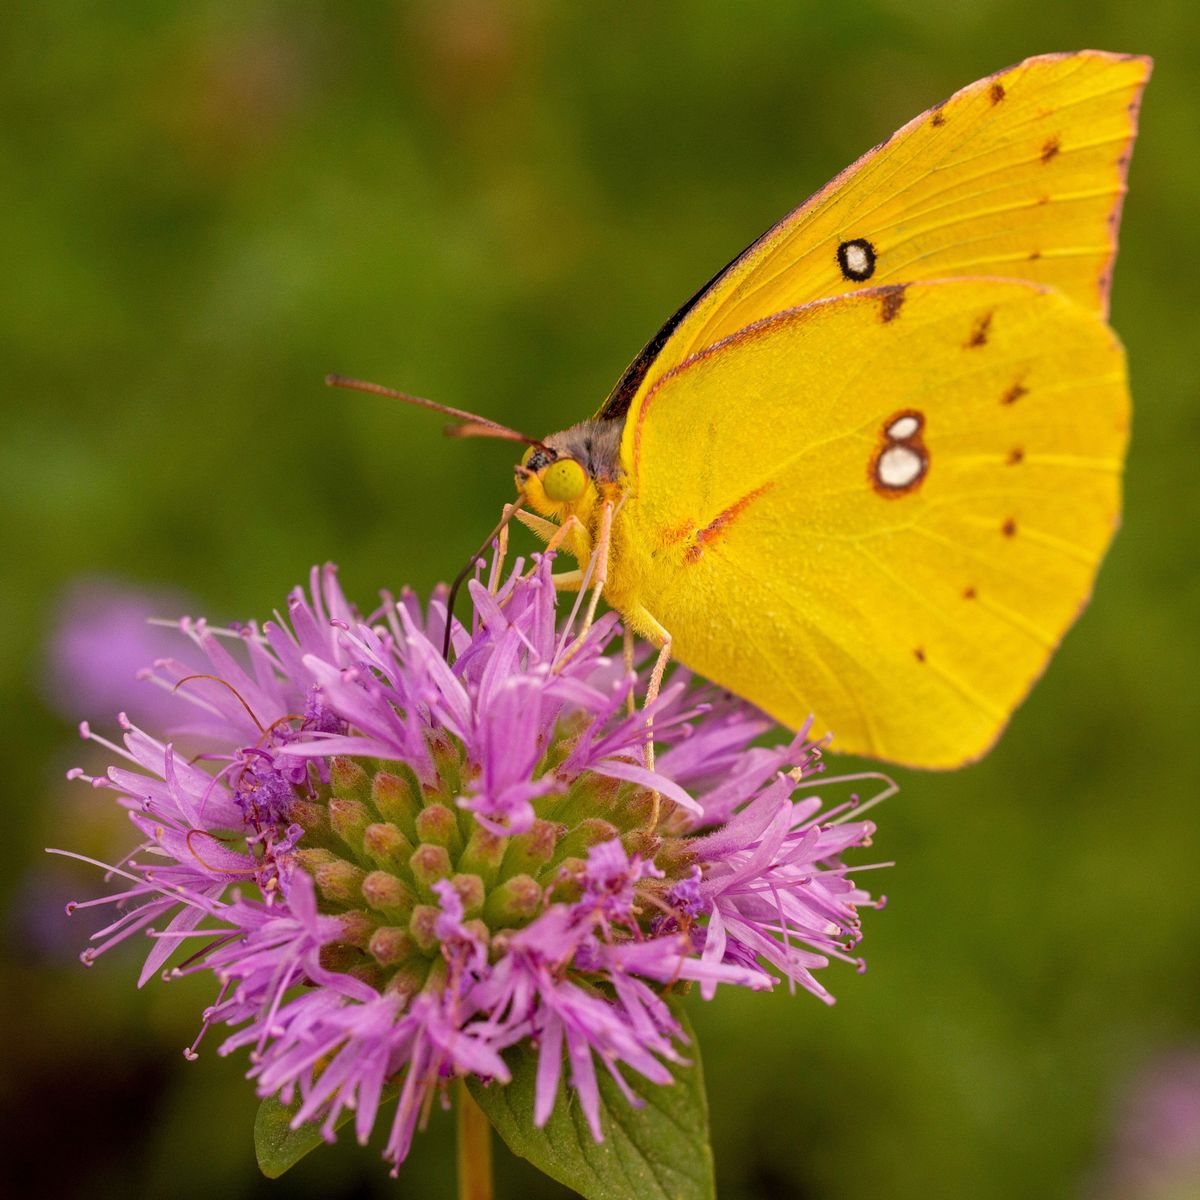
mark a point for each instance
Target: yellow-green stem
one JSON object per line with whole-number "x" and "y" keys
{"x": 474, "y": 1149}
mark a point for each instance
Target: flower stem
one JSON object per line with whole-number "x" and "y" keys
{"x": 474, "y": 1149}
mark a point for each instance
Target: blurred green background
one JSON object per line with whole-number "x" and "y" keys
{"x": 208, "y": 206}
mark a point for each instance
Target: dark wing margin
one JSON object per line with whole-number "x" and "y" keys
{"x": 621, "y": 397}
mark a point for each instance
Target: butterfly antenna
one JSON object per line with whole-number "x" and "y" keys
{"x": 471, "y": 425}
{"x": 513, "y": 509}
{"x": 488, "y": 429}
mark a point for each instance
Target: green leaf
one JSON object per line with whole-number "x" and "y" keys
{"x": 277, "y": 1145}
{"x": 658, "y": 1152}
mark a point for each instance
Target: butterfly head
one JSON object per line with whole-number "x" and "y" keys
{"x": 559, "y": 476}
{"x": 554, "y": 484}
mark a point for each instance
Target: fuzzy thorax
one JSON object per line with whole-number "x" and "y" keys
{"x": 592, "y": 446}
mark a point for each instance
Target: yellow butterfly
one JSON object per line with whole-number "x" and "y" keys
{"x": 870, "y": 469}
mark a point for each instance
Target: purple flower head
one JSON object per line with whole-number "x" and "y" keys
{"x": 395, "y": 867}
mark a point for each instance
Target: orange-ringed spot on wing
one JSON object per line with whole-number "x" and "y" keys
{"x": 904, "y": 425}
{"x": 902, "y": 462}
{"x": 856, "y": 259}
{"x": 899, "y": 468}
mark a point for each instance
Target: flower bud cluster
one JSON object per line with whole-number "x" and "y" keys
{"x": 377, "y": 842}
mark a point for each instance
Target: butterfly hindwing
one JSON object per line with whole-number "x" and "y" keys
{"x": 885, "y": 508}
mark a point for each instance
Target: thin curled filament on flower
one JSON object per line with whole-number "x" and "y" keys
{"x": 224, "y": 683}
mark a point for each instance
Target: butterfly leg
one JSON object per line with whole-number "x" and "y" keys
{"x": 567, "y": 581}
{"x": 501, "y": 551}
{"x": 546, "y": 530}
{"x": 660, "y": 666}
{"x": 554, "y": 536}
{"x": 599, "y": 566}
{"x": 655, "y": 631}
{"x": 560, "y": 533}
{"x": 627, "y": 649}
{"x": 661, "y": 637}
{"x": 603, "y": 542}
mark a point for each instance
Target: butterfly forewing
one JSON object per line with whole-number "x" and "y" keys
{"x": 1019, "y": 175}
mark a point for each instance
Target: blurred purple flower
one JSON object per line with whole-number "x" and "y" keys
{"x": 101, "y": 638}
{"x": 398, "y": 868}
{"x": 1156, "y": 1152}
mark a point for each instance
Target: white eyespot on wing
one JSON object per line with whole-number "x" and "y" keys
{"x": 904, "y": 428}
{"x": 899, "y": 467}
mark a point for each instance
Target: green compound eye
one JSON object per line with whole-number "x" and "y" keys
{"x": 564, "y": 480}
{"x": 526, "y": 456}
